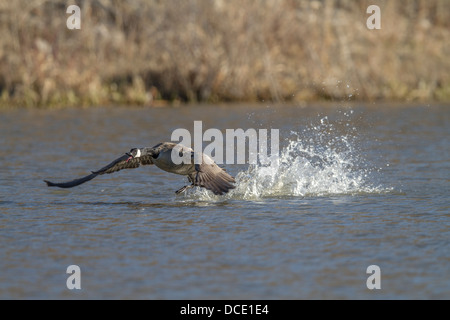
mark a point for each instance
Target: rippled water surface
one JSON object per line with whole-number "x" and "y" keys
{"x": 352, "y": 187}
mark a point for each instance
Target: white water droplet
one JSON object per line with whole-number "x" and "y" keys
{"x": 315, "y": 162}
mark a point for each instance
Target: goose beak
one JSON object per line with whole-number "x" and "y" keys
{"x": 129, "y": 156}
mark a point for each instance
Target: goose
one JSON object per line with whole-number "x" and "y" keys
{"x": 207, "y": 174}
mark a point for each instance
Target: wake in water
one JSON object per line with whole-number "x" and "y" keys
{"x": 317, "y": 161}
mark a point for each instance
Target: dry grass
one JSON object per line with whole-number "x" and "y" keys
{"x": 146, "y": 52}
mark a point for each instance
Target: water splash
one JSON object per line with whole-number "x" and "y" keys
{"x": 320, "y": 160}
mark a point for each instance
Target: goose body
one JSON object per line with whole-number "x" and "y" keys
{"x": 206, "y": 173}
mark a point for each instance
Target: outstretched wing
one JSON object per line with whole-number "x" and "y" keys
{"x": 116, "y": 165}
{"x": 212, "y": 177}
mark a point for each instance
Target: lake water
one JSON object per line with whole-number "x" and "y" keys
{"x": 354, "y": 186}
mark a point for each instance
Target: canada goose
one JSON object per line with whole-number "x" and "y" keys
{"x": 207, "y": 174}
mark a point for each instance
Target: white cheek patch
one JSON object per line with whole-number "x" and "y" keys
{"x": 138, "y": 153}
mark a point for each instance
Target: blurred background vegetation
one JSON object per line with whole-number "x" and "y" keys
{"x": 160, "y": 52}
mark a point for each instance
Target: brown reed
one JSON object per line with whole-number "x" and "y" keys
{"x": 153, "y": 52}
